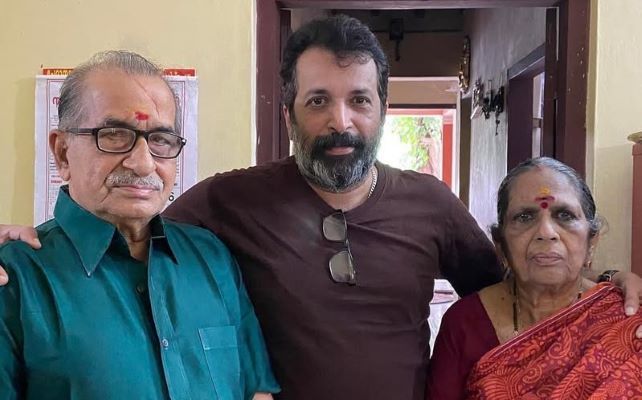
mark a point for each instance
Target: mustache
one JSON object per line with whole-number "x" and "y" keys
{"x": 338, "y": 139}
{"x": 120, "y": 178}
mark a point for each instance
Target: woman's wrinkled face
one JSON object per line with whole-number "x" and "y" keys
{"x": 545, "y": 230}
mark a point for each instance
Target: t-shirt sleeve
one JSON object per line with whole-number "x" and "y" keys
{"x": 255, "y": 363}
{"x": 470, "y": 262}
{"x": 12, "y": 379}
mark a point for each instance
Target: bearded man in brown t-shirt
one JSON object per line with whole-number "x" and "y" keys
{"x": 339, "y": 253}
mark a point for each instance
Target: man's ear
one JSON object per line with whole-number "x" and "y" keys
{"x": 288, "y": 121}
{"x": 59, "y": 144}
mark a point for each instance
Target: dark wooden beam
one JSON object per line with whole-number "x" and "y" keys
{"x": 412, "y": 106}
{"x": 550, "y": 84}
{"x": 570, "y": 136}
{"x": 267, "y": 81}
{"x": 417, "y": 4}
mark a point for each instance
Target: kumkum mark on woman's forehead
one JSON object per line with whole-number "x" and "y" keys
{"x": 544, "y": 197}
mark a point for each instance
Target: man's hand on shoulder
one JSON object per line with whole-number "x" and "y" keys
{"x": 631, "y": 285}
{"x": 17, "y": 232}
{"x": 27, "y": 234}
{"x": 262, "y": 396}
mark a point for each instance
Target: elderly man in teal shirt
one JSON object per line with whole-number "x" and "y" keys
{"x": 119, "y": 303}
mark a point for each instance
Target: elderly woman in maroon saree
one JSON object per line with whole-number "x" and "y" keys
{"x": 545, "y": 332}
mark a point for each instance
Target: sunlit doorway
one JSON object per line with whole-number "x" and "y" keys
{"x": 420, "y": 140}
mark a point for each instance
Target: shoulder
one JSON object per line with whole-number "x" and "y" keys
{"x": 19, "y": 252}
{"x": 464, "y": 309}
{"x": 193, "y": 245}
{"x": 466, "y": 329}
{"x": 402, "y": 178}
{"x": 259, "y": 175}
{"x": 417, "y": 186}
{"x": 20, "y": 261}
{"x": 14, "y": 252}
{"x": 202, "y": 238}
{"x": 229, "y": 189}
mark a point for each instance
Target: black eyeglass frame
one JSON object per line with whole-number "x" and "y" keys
{"x": 350, "y": 268}
{"x": 138, "y": 132}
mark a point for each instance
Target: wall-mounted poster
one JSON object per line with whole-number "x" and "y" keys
{"x": 46, "y": 179}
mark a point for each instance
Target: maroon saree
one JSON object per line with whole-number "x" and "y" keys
{"x": 586, "y": 351}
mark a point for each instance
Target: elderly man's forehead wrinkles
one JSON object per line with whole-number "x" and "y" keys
{"x": 154, "y": 98}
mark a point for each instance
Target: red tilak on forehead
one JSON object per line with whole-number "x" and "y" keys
{"x": 544, "y": 201}
{"x": 141, "y": 116}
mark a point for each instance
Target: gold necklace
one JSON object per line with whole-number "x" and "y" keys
{"x": 374, "y": 181}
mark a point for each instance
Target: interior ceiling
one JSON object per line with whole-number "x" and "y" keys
{"x": 414, "y": 21}
{"x": 423, "y": 90}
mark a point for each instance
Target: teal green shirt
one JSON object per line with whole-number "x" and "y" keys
{"x": 82, "y": 319}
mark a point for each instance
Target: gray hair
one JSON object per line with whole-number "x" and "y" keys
{"x": 584, "y": 195}
{"x": 70, "y": 107}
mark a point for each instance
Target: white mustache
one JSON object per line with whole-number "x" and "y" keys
{"x": 130, "y": 178}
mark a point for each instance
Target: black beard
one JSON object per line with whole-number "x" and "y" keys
{"x": 336, "y": 173}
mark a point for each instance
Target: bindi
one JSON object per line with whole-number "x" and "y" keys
{"x": 544, "y": 199}
{"x": 141, "y": 116}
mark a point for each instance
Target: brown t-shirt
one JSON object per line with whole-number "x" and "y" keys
{"x": 330, "y": 340}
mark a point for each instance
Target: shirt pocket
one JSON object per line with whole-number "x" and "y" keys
{"x": 222, "y": 355}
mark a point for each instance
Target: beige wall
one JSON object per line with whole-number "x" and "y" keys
{"x": 213, "y": 36}
{"x": 614, "y": 110}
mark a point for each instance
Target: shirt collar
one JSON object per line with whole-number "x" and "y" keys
{"x": 92, "y": 236}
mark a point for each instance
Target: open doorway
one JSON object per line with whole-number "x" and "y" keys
{"x": 567, "y": 42}
{"x": 420, "y": 131}
{"x": 419, "y": 140}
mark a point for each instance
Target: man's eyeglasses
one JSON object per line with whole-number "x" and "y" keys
{"x": 162, "y": 144}
{"x": 335, "y": 229}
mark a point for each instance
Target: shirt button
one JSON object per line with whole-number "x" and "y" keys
{"x": 165, "y": 343}
{"x": 140, "y": 288}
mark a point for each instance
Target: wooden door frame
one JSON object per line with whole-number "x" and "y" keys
{"x": 568, "y": 140}
{"x": 519, "y": 105}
